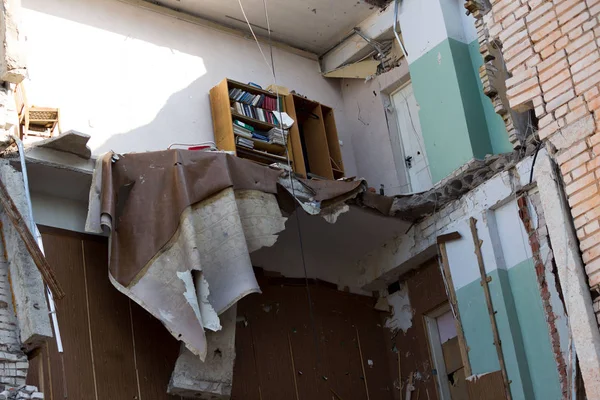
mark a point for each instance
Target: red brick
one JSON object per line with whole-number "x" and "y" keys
{"x": 576, "y": 114}
{"x": 591, "y": 93}
{"x": 518, "y": 78}
{"x": 586, "y": 218}
{"x": 565, "y": 14}
{"x": 583, "y": 195}
{"x": 514, "y": 28}
{"x": 593, "y": 140}
{"x": 591, "y": 227}
{"x": 575, "y": 162}
{"x": 523, "y": 86}
{"x": 590, "y": 24}
{"x": 590, "y": 241}
{"x": 543, "y": 32}
{"x": 539, "y": 11}
{"x": 519, "y": 58}
{"x": 586, "y": 84}
{"x": 581, "y": 183}
{"x": 579, "y": 172}
{"x": 504, "y": 12}
{"x": 521, "y": 11}
{"x": 587, "y": 205}
{"x": 548, "y": 130}
{"x": 533, "y": 61}
{"x": 516, "y": 38}
{"x": 559, "y": 56}
{"x": 521, "y": 102}
{"x": 561, "y": 43}
{"x": 570, "y": 153}
{"x": 580, "y": 42}
{"x": 560, "y": 112}
{"x": 547, "y": 41}
{"x": 585, "y": 62}
{"x": 576, "y": 102}
{"x": 542, "y": 21}
{"x": 559, "y": 100}
{"x": 577, "y": 21}
{"x": 594, "y": 104}
{"x": 575, "y": 33}
{"x": 582, "y": 52}
{"x": 591, "y": 254}
{"x": 556, "y": 80}
{"x": 513, "y": 51}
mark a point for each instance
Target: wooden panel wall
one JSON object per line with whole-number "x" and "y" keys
{"x": 427, "y": 292}
{"x": 278, "y": 350}
{"x": 113, "y": 349}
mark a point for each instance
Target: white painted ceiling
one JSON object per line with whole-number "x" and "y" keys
{"x": 312, "y": 25}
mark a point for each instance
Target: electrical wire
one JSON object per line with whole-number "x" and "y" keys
{"x": 271, "y": 67}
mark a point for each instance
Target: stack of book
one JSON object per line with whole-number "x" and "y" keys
{"x": 254, "y": 100}
{"x": 241, "y": 129}
{"x": 244, "y": 142}
{"x": 257, "y": 106}
{"x": 278, "y": 136}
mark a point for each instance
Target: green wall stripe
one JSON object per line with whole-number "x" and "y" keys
{"x": 536, "y": 338}
{"x": 441, "y": 112}
{"x": 522, "y": 327}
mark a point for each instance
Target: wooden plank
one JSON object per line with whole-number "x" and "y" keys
{"x": 452, "y": 358}
{"x": 315, "y": 139}
{"x": 294, "y": 138}
{"x": 448, "y": 237}
{"x": 447, "y": 275}
{"x": 18, "y": 222}
{"x": 221, "y": 117}
{"x": 65, "y": 253}
{"x": 489, "y": 386}
{"x": 110, "y": 326}
{"x": 490, "y": 307}
{"x": 333, "y": 141}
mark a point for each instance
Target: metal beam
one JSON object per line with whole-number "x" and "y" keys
{"x": 373, "y": 27}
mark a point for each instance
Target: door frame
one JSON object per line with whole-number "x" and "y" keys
{"x": 435, "y": 350}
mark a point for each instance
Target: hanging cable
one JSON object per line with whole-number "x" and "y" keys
{"x": 271, "y": 67}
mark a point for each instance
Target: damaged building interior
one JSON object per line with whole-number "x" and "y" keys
{"x": 284, "y": 199}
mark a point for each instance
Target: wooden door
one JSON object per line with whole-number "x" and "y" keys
{"x": 411, "y": 137}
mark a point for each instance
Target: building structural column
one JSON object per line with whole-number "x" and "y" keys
{"x": 457, "y": 120}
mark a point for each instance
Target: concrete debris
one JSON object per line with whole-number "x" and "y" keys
{"x": 467, "y": 178}
{"x": 72, "y": 142}
{"x": 23, "y": 392}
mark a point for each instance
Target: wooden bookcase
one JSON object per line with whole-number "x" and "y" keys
{"x": 313, "y": 145}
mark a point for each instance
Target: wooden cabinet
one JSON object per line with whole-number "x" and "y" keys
{"x": 313, "y": 145}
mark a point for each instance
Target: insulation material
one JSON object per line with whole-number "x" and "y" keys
{"x": 211, "y": 242}
{"x": 402, "y": 314}
{"x": 182, "y": 226}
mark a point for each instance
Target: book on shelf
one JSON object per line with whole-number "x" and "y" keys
{"x": 243, "y": 125}
{"x": 256, "y": 100}
{"x": 278, "y": 136}
{"x": 241, "y": 141}
{"x": 255, "y": 113}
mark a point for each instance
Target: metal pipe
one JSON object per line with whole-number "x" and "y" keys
{"x": 25, "y": 180}
{"x": 38, "y": 237}
{"x": 396, "y": 32}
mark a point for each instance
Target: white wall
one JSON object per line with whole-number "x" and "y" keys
{"x": 136, "y": 80}
{"x": 373, "y": 129}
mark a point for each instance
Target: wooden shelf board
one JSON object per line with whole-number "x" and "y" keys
{"x": 252, "y": 121}
{"x": 244, "y": 150}
{"x": 248, "y": 88}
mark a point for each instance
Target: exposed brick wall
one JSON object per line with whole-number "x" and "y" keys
{"x": 537, "y": 238}
{"x": 13, "y": 362}
{"x": 551, "y": 52}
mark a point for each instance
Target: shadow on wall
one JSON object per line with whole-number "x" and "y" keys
{"x": 118, "y": 64}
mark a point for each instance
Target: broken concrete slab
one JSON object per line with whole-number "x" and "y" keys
{"x": 69, "y": 142}
{"x": 27, "y": 285}
{"x": 213, "y": 378}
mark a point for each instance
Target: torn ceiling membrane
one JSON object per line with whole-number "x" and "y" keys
{"x": 182, "y": 225}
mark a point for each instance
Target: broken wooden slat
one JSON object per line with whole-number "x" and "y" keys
{"x": 490, "y": 307}
{"x": 30, "y": 243}
{"x": 464, "y": 352}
